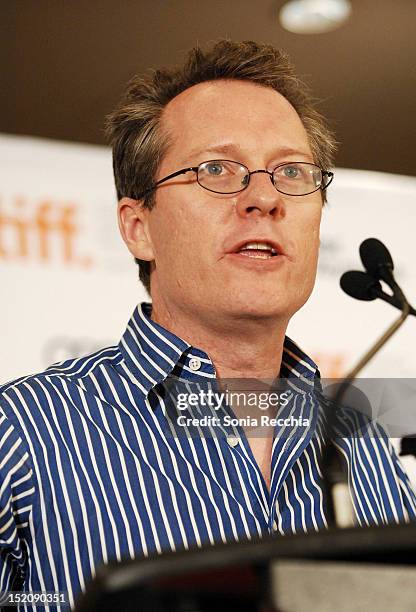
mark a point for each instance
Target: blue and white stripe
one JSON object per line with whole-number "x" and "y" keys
{"x": 90, "y": 471}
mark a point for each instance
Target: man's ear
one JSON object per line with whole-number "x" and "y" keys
{"x": 132, "y": 221}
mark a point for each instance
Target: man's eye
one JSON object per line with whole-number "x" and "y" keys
{"x": 215, "y": 169}
{"x": 291, "y": 172}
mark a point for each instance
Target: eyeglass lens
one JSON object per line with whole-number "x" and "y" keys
{"x": 222, "y": 176}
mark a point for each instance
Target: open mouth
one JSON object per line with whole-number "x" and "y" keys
{"x": 257, "y": 250}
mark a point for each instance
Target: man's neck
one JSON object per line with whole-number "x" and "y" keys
{"x": 239, "y": 347}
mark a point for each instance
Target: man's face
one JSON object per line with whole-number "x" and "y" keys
{"x": 195, "y": 235}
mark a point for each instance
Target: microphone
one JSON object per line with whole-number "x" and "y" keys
{"x": 363, "y": 286}
{"x": 377, "y": 259}
{"x": 360, "y": 285}
{"x": 366, "y": 286}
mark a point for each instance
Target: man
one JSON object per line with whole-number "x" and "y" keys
{"x": 220, "y": 169}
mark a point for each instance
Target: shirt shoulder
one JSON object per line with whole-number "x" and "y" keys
{"x": 42, "y": 389}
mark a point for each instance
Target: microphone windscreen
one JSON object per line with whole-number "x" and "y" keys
{"x": 374, "y": 255}
{"x": 360, "y": 285}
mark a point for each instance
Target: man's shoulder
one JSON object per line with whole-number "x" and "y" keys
{"x": 69, "y": 372}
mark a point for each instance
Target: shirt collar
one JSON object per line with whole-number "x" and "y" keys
{"x": 152, "y": 353}
{"x": 297, "y": 364}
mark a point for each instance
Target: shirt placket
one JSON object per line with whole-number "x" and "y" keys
{"x": 255, "y": 495}
{"x": 248, "y": 486}
{"x": 289, "y": 444}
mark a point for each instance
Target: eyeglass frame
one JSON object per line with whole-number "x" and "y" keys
{"x": 249, "y": 173}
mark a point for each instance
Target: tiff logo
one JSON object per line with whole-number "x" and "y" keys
{"x": 42, "y": 231}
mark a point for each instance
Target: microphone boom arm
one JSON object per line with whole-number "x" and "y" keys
{"x": 380, "y": 342}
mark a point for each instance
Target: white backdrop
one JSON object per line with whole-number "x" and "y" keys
{"x": 69, "y": 285}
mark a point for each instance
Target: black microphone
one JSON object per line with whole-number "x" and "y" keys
{"x": 378, "y": 262}
{"x": 363, "y": 286}
{"x": 377, "y": 259}
{"x": 360, "y": 285}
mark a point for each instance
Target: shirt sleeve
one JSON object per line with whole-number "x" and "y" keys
{"x": 381, "y": 489}
{"x": 16, "y": 492}
{"x": 406, "y": 488}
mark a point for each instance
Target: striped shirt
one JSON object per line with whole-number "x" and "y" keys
{"x": 91, "y": 472}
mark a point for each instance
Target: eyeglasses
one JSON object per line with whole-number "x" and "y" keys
{"x": 226, "y": 177}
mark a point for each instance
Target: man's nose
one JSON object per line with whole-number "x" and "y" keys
{"x": 260, "y": 197}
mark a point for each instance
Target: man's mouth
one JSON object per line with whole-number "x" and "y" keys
{"x": 258, "y": 250}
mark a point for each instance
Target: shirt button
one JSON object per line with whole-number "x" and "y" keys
{"x": 274, "y": 526}
{"x": 195, "y": 364}
{"x": 232, "y": 441}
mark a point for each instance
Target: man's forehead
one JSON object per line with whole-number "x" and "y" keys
{"x": 235, "y": 149}
{"x": 213, "y": 116}
{"x": 223, "y": 91}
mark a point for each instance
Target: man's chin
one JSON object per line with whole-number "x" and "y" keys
{"x": 257, "y": 309}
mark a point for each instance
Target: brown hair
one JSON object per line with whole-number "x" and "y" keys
{"x": 134, "y": 127}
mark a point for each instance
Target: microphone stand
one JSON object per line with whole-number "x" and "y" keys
{"x": 336, "y": 490}
{"x": 408, "y": 443}
{"x": 390, "y": 331}
{"x": 390, "y": 299}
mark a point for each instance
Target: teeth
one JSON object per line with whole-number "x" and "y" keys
{"x": 259, "y": 246}
{"x": 257, "y": 255}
